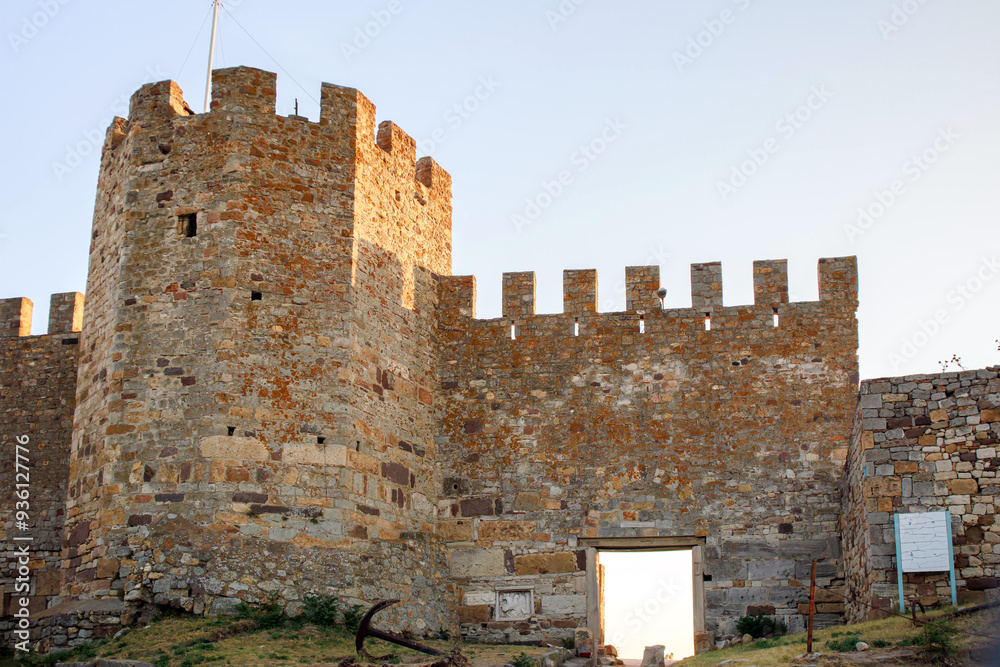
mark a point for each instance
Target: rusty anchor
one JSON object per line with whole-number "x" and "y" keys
{"x": 366, "y": 630}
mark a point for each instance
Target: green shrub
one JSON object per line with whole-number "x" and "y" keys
{"x": 80, "y": 653}
{"x": 938, "y": 639}
{"x": 880, "y": 643}
{"x": 321, "y": 610}
{"x": 267, "y": 615}
{"x": 522, "y": 660}
{"x": 759, "y": 625}
{"x": 772, "y": 642}
{"x": 353, "y": 616}
{"x": 845, "y": 644}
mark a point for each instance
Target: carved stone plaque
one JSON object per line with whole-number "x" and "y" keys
{"x": 514, "y": 605}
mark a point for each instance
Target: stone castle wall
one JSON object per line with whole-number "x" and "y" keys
{"x": 279, "y": 389}
{"x": 556, "y": 428}
{"x": 37, "y": 394}
{"x": 258, "y": 358}
{"x": 923, "y": 443}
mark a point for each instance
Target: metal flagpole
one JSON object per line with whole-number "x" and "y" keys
{"x": 211, "y": 56}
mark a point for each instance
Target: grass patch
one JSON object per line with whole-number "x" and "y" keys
{"x": 188, "y": 641}
{"x": 894, "y": 632}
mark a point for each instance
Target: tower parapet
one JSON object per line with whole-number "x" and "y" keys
{"x": 837, "y": 289}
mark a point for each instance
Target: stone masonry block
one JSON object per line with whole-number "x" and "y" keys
{"x": 477, "y": 563}
{"x": 770, "y": 282}
{"x": 519, "y": 294}
{"x": 579, "y": 291}
{"x": 564, "y": 605}
{"x": 771, "y": 569}
{"x": 506, "y": 531}
{"x": 15, "y": 317}
{"x": 545, "y": 563}
{"x": 706, "y": 286}
{"x": 838, "y": 280}
{"x": 244, "y": 89}
{"x": 400, "y": 146}
{"x": 156, "y": 101}
{"x": 314, "y": 454}
{"x": 348, "y": 112}
{"x": 641, "y": 284}
{"x": 234, "y": 448}
{"x": 65, "y": 313}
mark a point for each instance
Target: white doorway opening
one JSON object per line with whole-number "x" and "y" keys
{"x": 647, "y": 599}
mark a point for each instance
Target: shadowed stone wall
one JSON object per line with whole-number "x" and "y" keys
{"x": 923, "y": 443}
{"x": 37, "y": 392}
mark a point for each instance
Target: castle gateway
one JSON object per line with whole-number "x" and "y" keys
{"x": 278, "y": 388}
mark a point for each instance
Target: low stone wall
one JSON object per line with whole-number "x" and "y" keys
{"x": 923, "y": 443}
{"x": 79, "y": 622}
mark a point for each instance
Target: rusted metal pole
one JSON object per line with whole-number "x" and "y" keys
{"x": 812, "y": 608}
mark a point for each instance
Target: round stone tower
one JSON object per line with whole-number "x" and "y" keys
{"x": 254, "y": 416}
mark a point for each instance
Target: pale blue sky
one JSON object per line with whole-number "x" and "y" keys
{"x": 675, "y": 131}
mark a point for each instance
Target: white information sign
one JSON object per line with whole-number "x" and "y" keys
{"x": 924, "y": 542}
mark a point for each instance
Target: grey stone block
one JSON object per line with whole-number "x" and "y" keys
{"x": 871, "y": 401}
{"x": 771, "y": 569}
{"x": 823, "y": 570}
{"x": 877, "y": 455}
{"x": 803, "y": 548}
{"x": 223, "y": 606}
{"x": 788, "y": 596}
{"x": 726, "y": 569}
{"x": 873, "y": 424}
{"x": 744, "y": 596}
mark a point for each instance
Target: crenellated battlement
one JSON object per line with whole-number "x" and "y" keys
{"x": 837, "y": 287}
{"x": 65, "y": 315}
{"x": 346, "y": 117}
